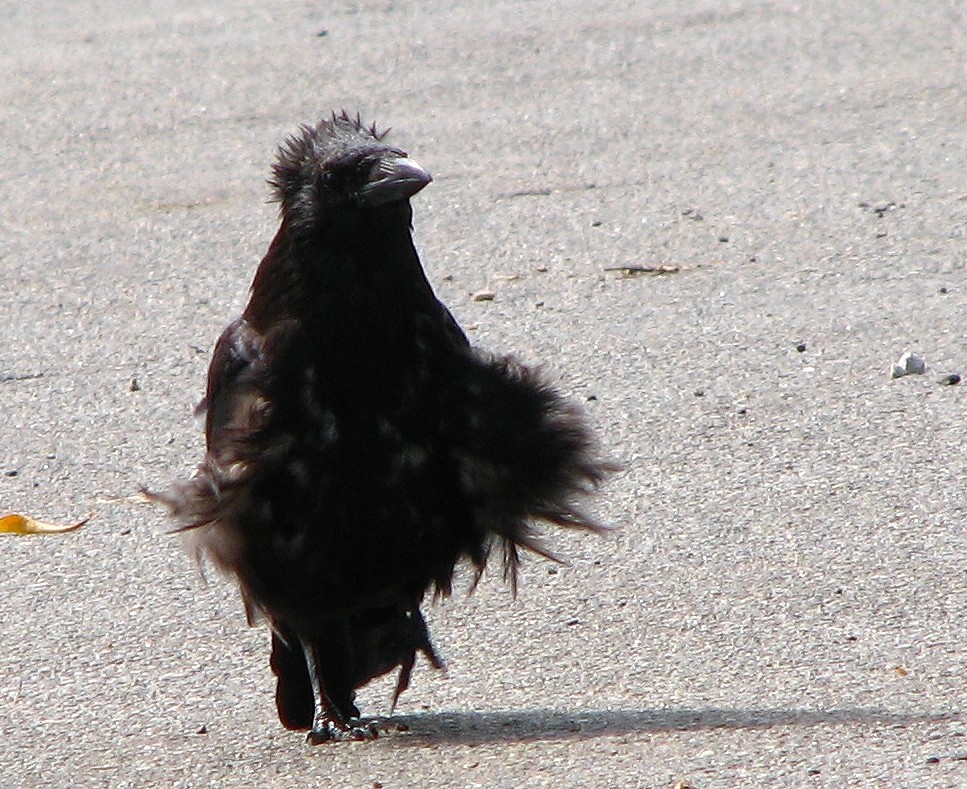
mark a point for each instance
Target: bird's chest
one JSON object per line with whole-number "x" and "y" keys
{"x": 365, "y": 432}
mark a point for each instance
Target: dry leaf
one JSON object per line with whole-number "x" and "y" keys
{"x": 21, "y": 524}
{"x": 634, "y": 271}
{"x": 134, "y": 498}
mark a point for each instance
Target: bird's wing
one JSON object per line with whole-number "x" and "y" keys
{"x": 234, "y": 403}
{"x": 236, "y": 408}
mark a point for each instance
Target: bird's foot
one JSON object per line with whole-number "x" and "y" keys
{"x": 330, "y": 730}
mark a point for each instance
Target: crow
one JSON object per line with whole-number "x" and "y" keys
{"x": 358, "y": 448}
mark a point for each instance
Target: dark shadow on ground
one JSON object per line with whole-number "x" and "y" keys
{"x": 489, "y": 727}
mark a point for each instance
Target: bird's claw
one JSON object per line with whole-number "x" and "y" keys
{"x": 329, "y": 730}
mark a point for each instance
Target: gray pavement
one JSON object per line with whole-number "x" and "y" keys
{"x": 784, "y": 603}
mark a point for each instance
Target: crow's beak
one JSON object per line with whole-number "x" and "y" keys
{"x": 393, "y": 178}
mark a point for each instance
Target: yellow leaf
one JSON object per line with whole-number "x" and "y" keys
{"x": 21, "y": 524}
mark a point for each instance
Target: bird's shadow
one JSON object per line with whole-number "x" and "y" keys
{"x": 542, "y": 724}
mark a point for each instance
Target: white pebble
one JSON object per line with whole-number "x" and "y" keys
{"x": 908, "y": 364}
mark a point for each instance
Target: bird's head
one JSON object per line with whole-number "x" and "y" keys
{"x": 341, "y": 163}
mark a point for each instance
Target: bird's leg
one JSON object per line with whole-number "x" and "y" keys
{"x": 327, "y": 722}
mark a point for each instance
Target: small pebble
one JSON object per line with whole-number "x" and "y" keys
{"x": 908, "y": 364}
{"x": 801, "y": 347}
{"x": 484, "y": 295}
{"x": 951, "y": 379}
{"x": 134, "y": 386}
{"x": 913, "y": 363}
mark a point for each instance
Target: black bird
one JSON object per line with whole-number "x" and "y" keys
{"x": 358, "y": 448}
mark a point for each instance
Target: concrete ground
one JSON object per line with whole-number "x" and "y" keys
{"x": 784, "y": 602}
